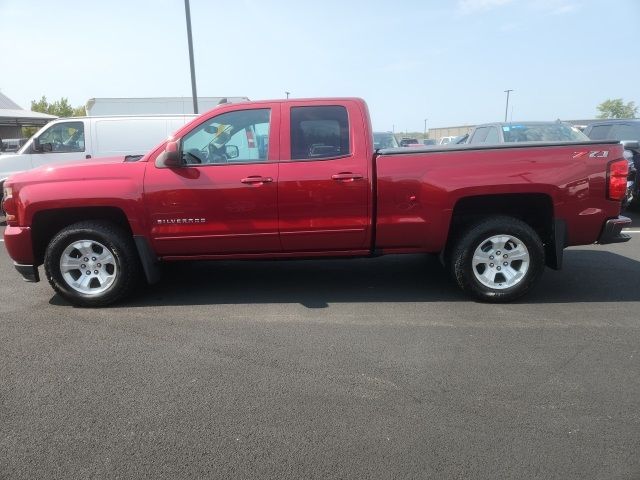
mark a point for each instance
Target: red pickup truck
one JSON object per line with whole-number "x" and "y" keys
{"x": 300, "y": 179}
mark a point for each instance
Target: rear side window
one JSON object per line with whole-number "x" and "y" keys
{"x": 480, "y": 135}
{"x": 492, "y": 136}
{"x": 319, "y": 132}
{"x": 625, "y": 131}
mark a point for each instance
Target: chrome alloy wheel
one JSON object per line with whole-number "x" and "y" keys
{"x": 88, "y": 267}
{"x": 501, "y": 261}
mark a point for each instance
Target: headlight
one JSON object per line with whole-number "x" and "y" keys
{"x": 7, "y": 192}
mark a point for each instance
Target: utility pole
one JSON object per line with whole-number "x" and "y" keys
{"x": 425, "y": 128}
{"x": 194, "y": 93}
{"x": 506, "y": 110}
{"x": 287, "y": 93}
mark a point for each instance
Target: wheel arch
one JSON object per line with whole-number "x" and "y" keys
{"x": 47, "y": 223}
{"x": 535, "y": 209}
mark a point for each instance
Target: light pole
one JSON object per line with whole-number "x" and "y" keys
{"x": 287, "y": 93}
{"x": 194, "y": 94}
{"x": 506, "y": 109}
{"x": 425, "y": 128}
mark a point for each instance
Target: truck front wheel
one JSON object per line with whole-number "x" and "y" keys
{"x": 498, "y": 259}
{"x": 92, "y": 264}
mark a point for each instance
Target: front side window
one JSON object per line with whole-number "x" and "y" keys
{"x": 63, "y": 137}
{"x": 233, "y": 137}
{"x": 319, "y": 132}
{"x": 600, "y": 132}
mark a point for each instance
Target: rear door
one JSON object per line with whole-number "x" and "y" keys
{"x": 325, "y": 179}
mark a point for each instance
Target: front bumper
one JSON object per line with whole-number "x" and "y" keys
{"x": 612, "y": 231}
{"x": 17, "y": 241}
{"x": 29, "y": 272}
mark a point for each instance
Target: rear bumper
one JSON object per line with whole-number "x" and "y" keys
{"x": 612, "y": 231}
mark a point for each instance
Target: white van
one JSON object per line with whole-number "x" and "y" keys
{"x": 81, "y": 138}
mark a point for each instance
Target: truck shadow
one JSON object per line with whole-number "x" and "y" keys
{"x": 588, "y": 276}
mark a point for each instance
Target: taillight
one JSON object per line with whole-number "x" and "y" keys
{"x": 9, "y": 205}
{"x": 617, "y": 179}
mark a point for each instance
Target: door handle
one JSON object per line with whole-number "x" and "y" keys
{"x": 346, "y": 177}
{"x": 252, "y": 180}
{"x": 87, "y": 156}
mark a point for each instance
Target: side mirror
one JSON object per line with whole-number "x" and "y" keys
{"x": 631, "y": 144}
{"x": 171, "y": 157}
{"x": 231, "y": 151}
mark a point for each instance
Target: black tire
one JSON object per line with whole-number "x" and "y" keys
{"x": 462, "y": 253}
{"x": 125, "y": 263}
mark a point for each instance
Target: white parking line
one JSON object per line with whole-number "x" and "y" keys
{"x": 630, "y": 231}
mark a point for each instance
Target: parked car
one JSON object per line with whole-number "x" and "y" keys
{"x": 320, "y": 190}
{"x": 429, "y": 141}
{"x": 81, "y": 138}
{"x": 407, "y": 142}
{"x": 460, "y": 139}
{"x": 445, "y": 140}
{"x": 12, "y": 144}
{"x": 513, "y": 132}
{"x": 384, "y": 140}
{"x": 628, "y": 132}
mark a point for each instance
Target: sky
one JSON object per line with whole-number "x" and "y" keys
{"x": 448, "y": 62}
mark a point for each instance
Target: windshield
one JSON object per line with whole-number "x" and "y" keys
{"x": 384, "y": 140}
{"x": 542, "y": 132}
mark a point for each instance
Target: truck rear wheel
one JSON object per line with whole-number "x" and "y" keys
{"x": 498, "y": 259}
{"x": 92, "y": 264}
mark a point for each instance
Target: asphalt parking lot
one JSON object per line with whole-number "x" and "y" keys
{"x": 327, "y": 369}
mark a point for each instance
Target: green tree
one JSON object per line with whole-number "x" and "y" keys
{"x": 616, "y": 108}
{"x": 59, "y": 108}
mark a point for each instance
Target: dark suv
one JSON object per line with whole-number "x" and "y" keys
{"x": 626, "y": 131}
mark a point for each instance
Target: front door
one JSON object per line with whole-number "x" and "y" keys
{"x": 223, "y": 200}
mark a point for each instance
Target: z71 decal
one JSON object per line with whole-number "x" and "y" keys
{"x": 592, "y": 154}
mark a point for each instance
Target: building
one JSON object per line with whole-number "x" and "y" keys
{"x": 154, "y": 106}
{"x": 13, "y": 118}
